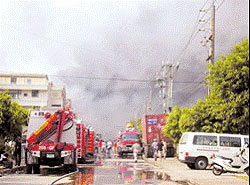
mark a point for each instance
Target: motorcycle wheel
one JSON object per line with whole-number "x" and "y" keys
{"x": 247, "y": 171}
{"x": 217, "y": 171}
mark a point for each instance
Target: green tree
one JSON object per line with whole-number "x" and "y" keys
{"x": 226, "y": 108}
{"x": 12, "y": 118}
{"x": 137, "y": 124}
{"x": 172, "y": 129}
{"x": 229, "y": 83}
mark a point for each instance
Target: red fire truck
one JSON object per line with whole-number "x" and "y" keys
{"x": 54, "y": 140}
{"x": 152, "y": 129}
{"x": 126, "y": 141}
{"x": 85, "y": 143}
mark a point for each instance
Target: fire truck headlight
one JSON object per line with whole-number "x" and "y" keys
{"x": 35, "y": 153}
{"x": 65, "y": 153}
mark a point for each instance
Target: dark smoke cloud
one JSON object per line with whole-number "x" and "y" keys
{"x": 134, "y": 42}
{"x": 117, "y": 40}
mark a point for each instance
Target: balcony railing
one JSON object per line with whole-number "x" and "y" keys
{"x": 23, "y": 87}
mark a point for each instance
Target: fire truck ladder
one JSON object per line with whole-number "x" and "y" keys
{"x": 53, "y": 125}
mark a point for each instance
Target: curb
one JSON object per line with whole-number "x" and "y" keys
{"x": 11, "y": 171}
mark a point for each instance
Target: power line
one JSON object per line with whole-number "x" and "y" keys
{"x": 223, "y": 1}
{"x": 119, "y": 79}
{"x": 193, "y": 32}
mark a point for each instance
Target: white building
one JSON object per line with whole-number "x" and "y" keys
{"x": 34, "y": 91}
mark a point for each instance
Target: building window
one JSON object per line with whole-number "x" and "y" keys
{"x": 15, "y": 94}
{"x": 36, "y": 108}
{"x": 29, "y": 81}
{"x": 13, "y": 80}
{"x": 35, "y": 93}
{"x": 41, "y": 113}
{"x": 25, "y": 94}
{"x": 56, "y": 105}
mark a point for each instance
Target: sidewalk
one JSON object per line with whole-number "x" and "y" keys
{"x": 15, "y": 169}
{"x": 180, "y": 172}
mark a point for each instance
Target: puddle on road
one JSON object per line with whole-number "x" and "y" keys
{"x": 119, "y": 173}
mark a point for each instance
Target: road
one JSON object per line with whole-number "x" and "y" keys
{"x": 108, "y": 171}
{"x": 115, "y": 171}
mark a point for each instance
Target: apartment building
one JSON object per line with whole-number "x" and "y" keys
{"x": 34, "y": 91}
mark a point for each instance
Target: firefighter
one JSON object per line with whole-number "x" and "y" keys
{"x": 136, "y": 148}
{"x": 160, "y": 149}
{"x": 109, "y": 148}
{"x": 154, "y": 147}
{"x": 115, "y": 147}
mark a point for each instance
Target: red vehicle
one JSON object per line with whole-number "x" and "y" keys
{"x": 80, "y": 134}
{"x": 152, "y": 129}
{"x": 85, "y": 143}
{"x": 55, "y": 140}
{"x": 126, "y": 141}
{"x": 51, "y": 142}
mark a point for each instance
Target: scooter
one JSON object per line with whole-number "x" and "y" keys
{"x": 5, "y": 162}
{"x": 222, "y": 164}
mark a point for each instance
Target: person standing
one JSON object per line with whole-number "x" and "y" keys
{"x": 164, "y": 149}
{"x": 136, "y": 148}
{"x": 154, "y": 146}
{"x": 100, "y": 146}
{"x": 115, "y": 147}
{"x": 160, "y": 149}
{"x": 103, "y": 149}
{"x": 109, "y": 148}
{"x": 18, "y": 151}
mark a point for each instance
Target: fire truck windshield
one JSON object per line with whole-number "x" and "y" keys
{"x": 130, "y": 137}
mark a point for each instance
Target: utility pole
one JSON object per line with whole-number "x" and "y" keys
{"x": 165, "y": 83}
{"x": 170, "y": 89}
{"x": 211, "y": 38}
{"x": 145, "y": 107}
{"x": 150, "y": 102}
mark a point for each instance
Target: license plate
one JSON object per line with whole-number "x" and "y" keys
{"x": 50, "y": 155}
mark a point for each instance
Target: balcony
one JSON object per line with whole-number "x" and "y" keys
{"x": 23, "y": 87}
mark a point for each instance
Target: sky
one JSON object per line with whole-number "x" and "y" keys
{"x": 84, "y": 44}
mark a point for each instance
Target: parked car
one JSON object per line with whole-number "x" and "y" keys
{"x": 196, "y": 148}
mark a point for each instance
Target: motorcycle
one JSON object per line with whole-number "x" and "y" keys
{"x": 222, "y": 164}
{"x": 5, "y": 162}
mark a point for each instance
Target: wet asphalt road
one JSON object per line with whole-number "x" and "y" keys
{"x": 109, "y": 171}
{"x": 118, "y": 172}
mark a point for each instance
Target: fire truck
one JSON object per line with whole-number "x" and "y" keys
{"x": 55, "y": 140}
{"x": 152, "y": 129}
{"x": 85, "y": 143}
{"x": 126, "y": 141}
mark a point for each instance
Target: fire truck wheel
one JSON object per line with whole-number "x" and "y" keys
{"x": 121, "y": 154}
{"x": 69, "y": 168}
{"x": 81, "y": 161}
{"x": 36, "y": 169}
{"x": 28, "y": 169}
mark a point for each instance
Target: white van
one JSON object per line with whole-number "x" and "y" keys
{"x": 196, "y": 148}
